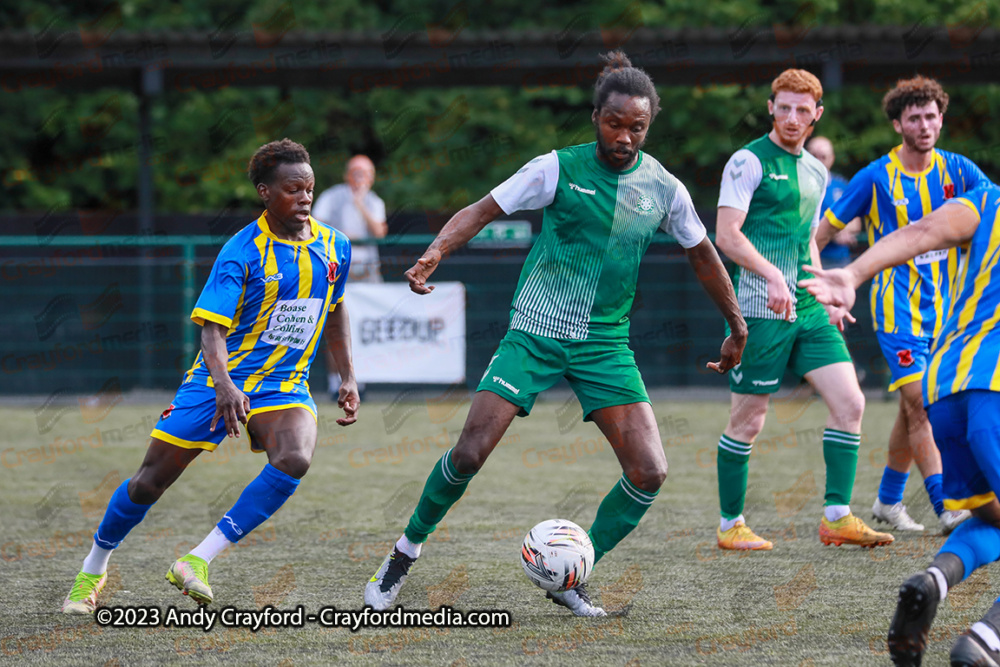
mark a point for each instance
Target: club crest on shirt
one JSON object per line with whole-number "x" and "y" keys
{"x": 949, "y": 190}
{"x": 645, "y": 204}
{"x": 331, "y": 271}
{"x": 905, "y": 358}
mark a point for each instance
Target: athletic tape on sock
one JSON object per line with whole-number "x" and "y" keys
{"x": 942, "y": 581}
{"x": 987, "y": 634}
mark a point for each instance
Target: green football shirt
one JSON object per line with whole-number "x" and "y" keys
{"x": 579, "y": 279}
{"x": 781, "y": 194}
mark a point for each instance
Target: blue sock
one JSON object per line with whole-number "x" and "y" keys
{"x": 890, "y": 491}
{"x": 935, "y": 492}
{"x": 975, "y": 542}
{"x": 262, "y": 498}
{"x": 121, "y": 516}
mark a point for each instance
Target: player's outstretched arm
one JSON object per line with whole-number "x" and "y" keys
{"x": 838, "y": 315}
{"x": 715, "y": 279}
{"x": 460, "y": 229}
{"x": 948, "y": 227}
{"x": 737, "y": 246}
{"x": 231, "y": 404}
{"x": 338, "y": 340}
{"x": 825, "y": 233}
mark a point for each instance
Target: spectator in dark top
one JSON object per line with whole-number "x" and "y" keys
{"x": 838, "y": 251}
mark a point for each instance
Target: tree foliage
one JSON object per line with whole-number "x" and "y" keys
{"x": 436, "y": 149}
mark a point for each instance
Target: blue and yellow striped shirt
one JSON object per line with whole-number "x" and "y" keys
{"x": 910, "y": 298}
{"x": 966, "y": 354}
{"x": 274, "y": 296}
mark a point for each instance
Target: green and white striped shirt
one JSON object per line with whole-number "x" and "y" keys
{"x": 781, "y": 194}
{"x": 579, "y": 279}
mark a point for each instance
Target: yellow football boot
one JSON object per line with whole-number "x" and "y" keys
{"x": 741, "y": 538}
{"x": 82, "y": 598}
{"x": 190, "y": 575}
{"x": 851, "y": 530}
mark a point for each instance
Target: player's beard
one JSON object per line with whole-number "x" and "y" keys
{"x": 611, "y": 157}
{"x": 805, "y": 135}
{"x": 912, "y": 143}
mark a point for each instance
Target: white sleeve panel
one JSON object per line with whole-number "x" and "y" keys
{"x": 532, "y": 187}
{"x": 740, "y": 179}
{"x": 682, "y": 221}
{"x": 819, "y": 207}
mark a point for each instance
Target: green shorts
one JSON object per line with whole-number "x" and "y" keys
{"x": 602, "y": 373}
{"x": 808, "y": 343}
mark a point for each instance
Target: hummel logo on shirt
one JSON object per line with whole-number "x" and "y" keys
{"x": 779, "y": 177}
{"x": 574, "y": 186}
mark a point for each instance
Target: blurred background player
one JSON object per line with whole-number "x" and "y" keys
{"x": 769, "y": 207}
{"x": 353, "y": 208}
{"x": 838, "y": 251}
{"x": 262, "y": 313}
{"x": 961, "y": 387}
{"x": 908, "y": 302}
{"x": 602, "y": 202}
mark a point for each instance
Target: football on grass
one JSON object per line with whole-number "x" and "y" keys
{"x": 557, "y": 555}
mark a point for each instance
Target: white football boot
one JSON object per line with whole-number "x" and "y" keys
{"x": 384, "y": 586}
{"x": 577, "y": 600}
{"x": 895, "y": 515}
{"x": 950, "y": 519}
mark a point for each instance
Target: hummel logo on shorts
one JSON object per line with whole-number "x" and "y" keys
{"x": 497, "y": 378}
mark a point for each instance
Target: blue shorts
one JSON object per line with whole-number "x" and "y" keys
{"x": 906, "y": 355}
{"x": 967, "y": 431}
{"x": 185, "y": 423}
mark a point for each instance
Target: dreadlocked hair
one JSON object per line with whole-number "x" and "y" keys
{"x": 271, "y": 155}
{"x": 619, "y": 76}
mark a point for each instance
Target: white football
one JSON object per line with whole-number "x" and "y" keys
{"x": 557, "y": 555}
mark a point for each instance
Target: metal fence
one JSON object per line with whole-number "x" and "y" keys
{"x": 85, "y": 313}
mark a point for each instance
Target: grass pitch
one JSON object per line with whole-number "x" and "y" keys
{"x": 686, "y": 602}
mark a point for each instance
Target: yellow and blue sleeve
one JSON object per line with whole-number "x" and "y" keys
{"x": 855, "y": 202}
{"x": 221, "y": 293}
{"x": 342, "y": 271}
{"x": 972, "y": 175}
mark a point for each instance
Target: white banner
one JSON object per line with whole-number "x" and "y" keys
{"x": 399, "y": 336}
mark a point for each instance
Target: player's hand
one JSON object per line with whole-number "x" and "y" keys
{"x": 232, "y": 405}
{"x": 349, "y": 401}
{"x": 730, "y": 356}
{"x": 839, "y": 316}
{"x": 779, "y": 299}
{"x": 831, "y": 287}
{"x": 418, "y": 274}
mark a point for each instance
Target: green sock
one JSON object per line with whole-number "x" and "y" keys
{"x": 618, "y": 514}
{"x": 733, "y": 464}
{"x": 445, "y": 485}
{"x": 840, "y": 452}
